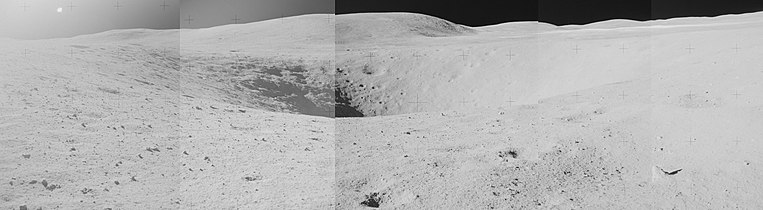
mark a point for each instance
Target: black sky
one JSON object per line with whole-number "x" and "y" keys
{"x": 558, "y": 12}
{"x": 208, "y": 13}
{"x": 38, "y": 19}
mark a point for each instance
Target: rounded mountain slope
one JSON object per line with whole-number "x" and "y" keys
{"x": 368, "y": 26}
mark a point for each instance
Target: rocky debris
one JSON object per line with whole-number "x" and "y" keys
{"x": 50, "y": 187}
{"x": 252, "y": 177}
{"x": 372, "y": 200}
{"x": 89, "y": 138}
{"x": 46, "y": 185}
{"x": 53, "y": 187}
{"x": 510, "y": 153}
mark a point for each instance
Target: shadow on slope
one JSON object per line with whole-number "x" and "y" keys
{"x": 343, "y": 107}
{"x": 260, "y": 83}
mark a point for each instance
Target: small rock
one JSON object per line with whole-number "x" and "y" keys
{"x": 23, "y": 207}
{"x": 53, "y": 187}
{"x": 27, "y": 156}
{"x": 253, "y": 178}
{"x": 373, "y": 200}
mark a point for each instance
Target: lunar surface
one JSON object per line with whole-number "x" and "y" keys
{"x": 525, "y": 115}
{"x": 179, "y": 119}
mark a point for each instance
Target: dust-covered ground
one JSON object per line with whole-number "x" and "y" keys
{"x": 527, "y": 115}
{"x": 135, "y": 119}
{"x": 580, "y": 155}
{"x": 612, "y": 115}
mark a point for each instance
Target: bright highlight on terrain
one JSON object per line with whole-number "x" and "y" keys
{"x": 390, "y": 110}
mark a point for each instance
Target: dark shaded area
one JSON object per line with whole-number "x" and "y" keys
{"x": 293, "y": 94}
{"x": 510, "y": 153}
{"x": 557, "y": 12}
{"x": 671, "y": 172}
{"x": 342, "y": 106}
{"x": 288, "y": 84}
{"x": 372, "y": 200}
{"x": 272, "y": 71}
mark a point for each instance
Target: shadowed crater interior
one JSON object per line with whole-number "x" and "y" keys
{"x": 343, "y": 107}
{"x": 287, "y": 85}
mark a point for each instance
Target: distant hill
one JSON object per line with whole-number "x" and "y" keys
{"x": 370, "y": 26}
